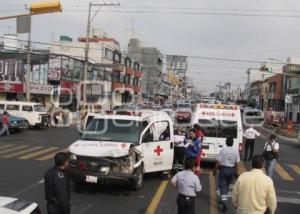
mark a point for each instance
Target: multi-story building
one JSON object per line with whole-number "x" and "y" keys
{"x": 292, "y": 89}
{"x": 275, "y": 93}
{"x": 151, "y": 58}
{"x": 119, "y": 74}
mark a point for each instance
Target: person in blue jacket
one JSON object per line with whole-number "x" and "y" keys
{"x": 193, "y": 146}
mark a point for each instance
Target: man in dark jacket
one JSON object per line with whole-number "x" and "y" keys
{"x": 57, "y": 186}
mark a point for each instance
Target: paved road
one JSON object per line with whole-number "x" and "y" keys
{"x": 25, "y": 156}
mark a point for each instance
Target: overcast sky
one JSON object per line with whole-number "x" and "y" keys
{"x": 207, "y": 35}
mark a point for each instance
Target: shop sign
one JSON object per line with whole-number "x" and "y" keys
{"x": 54, "y": 75}
{"x": 41, "y": 89}
{"x": 94, "y": 89}
{"x": 68, "y": 86}
{"x": 12, "y": 87}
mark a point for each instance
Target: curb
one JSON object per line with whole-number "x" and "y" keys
{"x": 293, "y": 140}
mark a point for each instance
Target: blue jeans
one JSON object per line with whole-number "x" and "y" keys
{"x": 4, "y": 130}
{"x": 226, "y": 177}
{"x": 269, "y": 166}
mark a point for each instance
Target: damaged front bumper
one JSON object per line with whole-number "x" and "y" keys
{"x": 110, "y": 178}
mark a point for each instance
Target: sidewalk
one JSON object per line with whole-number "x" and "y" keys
{"x": 293, "y": 140}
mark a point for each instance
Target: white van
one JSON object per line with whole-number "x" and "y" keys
{"x": 121, "y": 148}
{"x": 35, "y": 114}
{"x": 217, "y": 122}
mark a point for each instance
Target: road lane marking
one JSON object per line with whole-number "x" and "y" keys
{"x": 13, "y": 149}
{"x": 213, "y": 195}
{"x": 51, "y": 155}
{"x": 282, "y": 173}
{"x": 29, "y": 188}
{"x": 157, "y": 197}
{"x": 288, "y": 200}
{"x": 22, "y": 152}
{"x": 38, "y": 153}
{"x": 241, "y": 168}
{"x": 6, "y": 146}
{"x": 295, "y": 168}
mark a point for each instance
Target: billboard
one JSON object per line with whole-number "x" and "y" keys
{"x": 177, "y": 64}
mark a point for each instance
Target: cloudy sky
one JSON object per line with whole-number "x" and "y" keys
{"x": 243, "y": 30}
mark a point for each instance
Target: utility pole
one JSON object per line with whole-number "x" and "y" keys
{"x": 87, "y": 43}
{"x": 28, "y": 70}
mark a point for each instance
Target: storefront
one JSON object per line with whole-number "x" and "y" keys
{"x": 45, "y": 94}
{"x": 69, "y": 91}
{"x": 12, "y": 91}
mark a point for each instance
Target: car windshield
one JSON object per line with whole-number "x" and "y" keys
{"x": 39, "y": 108}
{"x": 218, "y": 128}
{"x": 113, "y": 130}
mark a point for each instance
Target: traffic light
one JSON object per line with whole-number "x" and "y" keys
{"x": 45, "y": 7}
{"x": 266, "y": 69}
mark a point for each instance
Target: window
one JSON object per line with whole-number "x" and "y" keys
{"x": 161, "y": 131}
{"x": 122, "y": 78}
{"x": 109, "y": 54}
{"x": 26, "y": 108}
{"x": 113, "y": 130}
{"x": 12, "y": 107}
{"x": 2, "y": 106}
{"x": 218, "y": 128}
{"x": 117, "y": 57}
{"x": 116, "y": 76}
{"x": 127, "y": 79}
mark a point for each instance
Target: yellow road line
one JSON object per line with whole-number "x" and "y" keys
{"x": 212, "y": 194}
{"x": 13, "y": 149}
{"x": 38, "y": 153}
{"x": 157, "y": 197}
{"x": 295, "y": 168}
{"x": 282, "y": 173}
{"x": 51, "y": 155}
{"x": 6, "y": 146}
{"x": 22, "y": 152}
{"x": 241, "y": 168}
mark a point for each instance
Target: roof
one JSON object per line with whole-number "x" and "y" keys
{"x": 21, "y": 102}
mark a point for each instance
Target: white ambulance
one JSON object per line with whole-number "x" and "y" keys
{"x": 120, "y": 148}
{"x": 217, "y": 122}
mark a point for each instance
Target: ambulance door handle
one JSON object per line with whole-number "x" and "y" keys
{"x": 171, "y": 145}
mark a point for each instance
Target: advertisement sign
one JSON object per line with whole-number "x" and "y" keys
{"x": 94, "y": 89}
{"x": 41, "y": 89}
{"x": 68, "y": 86}
{"x": 177, "y": 64}
{"x": 12, "y": 87}
{"x": 54, "y": 73}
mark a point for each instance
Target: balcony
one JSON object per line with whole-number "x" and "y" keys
{"x": 118, "y": 86}
{"x": 129, "y": 71}
{"x": 138, "y": 74}
{"x": 137, "y": 89}
{"x": 128, "y": 87}
{"x": 270, "y": 96}
{"x": 119, "y": 69}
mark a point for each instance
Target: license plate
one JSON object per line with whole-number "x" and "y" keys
{"x": 91, "y": 179}
{"x": 205, "y": 146}
{"x": 180, "y": 118}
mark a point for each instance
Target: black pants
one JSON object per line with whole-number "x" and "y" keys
{"x": 186, "y": 205}
{"x": 179, "y": 155}
{"x": 249, "y": 143}
{"x": 52, "y": 208}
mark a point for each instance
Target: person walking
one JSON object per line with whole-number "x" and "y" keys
{"x": 5, "y": 124}
{"x": 57, "y": 186}
{"x": 250, "y": 135}
{"x": 187, "y": 184}
{"x": 270, "y": 154}
{"x": 179, "y": 149}
{"x": 227, "y": 161}
{"x": 253, "y": 192}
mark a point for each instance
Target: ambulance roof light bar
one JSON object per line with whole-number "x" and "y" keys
{"x": 218, "y": 106}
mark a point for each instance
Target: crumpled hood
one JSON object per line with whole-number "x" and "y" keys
{"x": 100, "y": 148}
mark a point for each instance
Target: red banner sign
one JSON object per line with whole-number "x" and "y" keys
{"x": 12, "y": 87}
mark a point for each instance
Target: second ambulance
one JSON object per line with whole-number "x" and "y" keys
{"x": 217, "y": 122}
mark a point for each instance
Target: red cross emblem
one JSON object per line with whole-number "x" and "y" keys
{"x": 158, "y": 150}
{"x": 124, "y": 145}
{"x": 203, "y": 113}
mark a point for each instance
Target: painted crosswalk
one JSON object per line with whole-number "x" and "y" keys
{"x": 28, "y": 152}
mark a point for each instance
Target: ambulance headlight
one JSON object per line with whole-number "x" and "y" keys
{"x": 73, "y": 156}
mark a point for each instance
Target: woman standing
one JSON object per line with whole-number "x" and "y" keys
{"x": 270, "y": 154}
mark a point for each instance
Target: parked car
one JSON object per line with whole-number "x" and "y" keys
{"x": 183, "y": 115}
{"x": 253, "y": 116}
{"x": 15, "y": 123}
{"x": 14, "y": 206}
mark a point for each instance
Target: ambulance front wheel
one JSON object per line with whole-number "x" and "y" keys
{"x": 138, "y": 181}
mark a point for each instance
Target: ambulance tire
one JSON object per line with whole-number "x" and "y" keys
{"x": 165, "y": 175}
{"x": 138, "y": 181}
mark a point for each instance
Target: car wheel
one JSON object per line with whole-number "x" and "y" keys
{"x": 26, "y": 125}
{"x": 139, "y": 179}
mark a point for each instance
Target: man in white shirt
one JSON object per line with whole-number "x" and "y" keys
{"x": 271, "y": 154}
{"x": 250, "y": 135}
{"x": 253, "y": 192}
{"x": 227, "y": 161}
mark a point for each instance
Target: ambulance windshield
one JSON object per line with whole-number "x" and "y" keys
{"x": 218, "y": 128}
{"x": 113, "y": 130}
